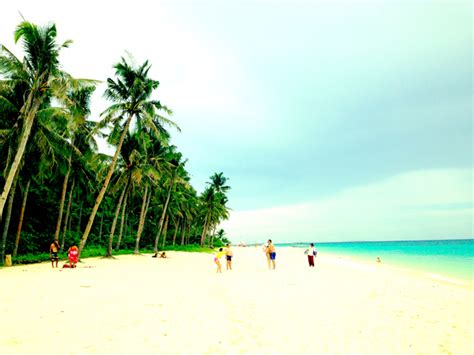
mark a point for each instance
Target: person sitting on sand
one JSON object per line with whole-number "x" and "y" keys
{"x": 378, "y": 260}
{"x": 219, "y": 254}
{"x": 163, "y": 255}
{"x": 228, "y": 255}
{"x": 53, "y": 252}
{"x": 271, "y": 253}
{"x": 72, "y": 255}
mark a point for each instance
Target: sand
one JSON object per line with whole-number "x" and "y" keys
{"x": 143, "y": 305}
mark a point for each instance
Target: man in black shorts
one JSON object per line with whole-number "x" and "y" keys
{"x": 53, "y": 252}
{"x": 228, "y": 256}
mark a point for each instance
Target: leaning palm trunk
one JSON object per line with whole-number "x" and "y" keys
{"x": 79, "y": 222}
{"x": 61, "y": 206}
{"x": 11, "y": 197}
{"x": 68, "y": 210}
{"x": 213, "y": 235}
{"x": 183, "y": 231}
{"x": 108, "y": 254}
{"x": 204, "y": 230}
{"x": 100, "y": 228}
{"x": 163, "y": 214}
{"x": 141, "y": 223}
{"x": 122, "y": 222}
{"x": 175, "y": 231}
{"x": 29, "y": 113}
{"x": 165, "y": 229}
{"x": 104, "y": 188}
{"x": 22, "y": 215}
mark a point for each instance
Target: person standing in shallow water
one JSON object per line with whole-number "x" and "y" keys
{"x": 271, "y": 254}
{"x": 53, "y": 253}
{"x": 311, "y": 254}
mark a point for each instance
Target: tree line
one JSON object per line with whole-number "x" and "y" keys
{"x": 54, "y": 176}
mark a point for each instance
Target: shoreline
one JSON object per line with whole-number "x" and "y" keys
{"x": 418, "y": 272}
{"x": 461, "y": 274}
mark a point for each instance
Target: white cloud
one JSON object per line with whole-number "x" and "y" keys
{"x": 428, "y": 204}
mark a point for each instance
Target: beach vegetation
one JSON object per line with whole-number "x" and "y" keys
{"x": 58, "y": 185}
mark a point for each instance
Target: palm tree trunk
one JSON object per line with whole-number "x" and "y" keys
{"x": 61, "y": 206}
{"x": 189, "y": 233}
{"x": 22, "y": 215}
{"x": 213, "y": 235}
{"x": 141, "y": 222}
{"x": 204, "y": 230}
{"x": 108, "y": 254}
{"x": 175, "y": 231}
{"x": 163, "y": 214}
{"x": 14, "y": 168}
{"x": 11, "y": 197}
{"x": 67, "y": 220}
{"x": 79, "y": 222}
{"x": 183, "y": 231}
{"x": 122, "y": 222}
{"x": 165, "y": 229}
{"x": 104, "y": 187}
{"x": 100, "y": 228}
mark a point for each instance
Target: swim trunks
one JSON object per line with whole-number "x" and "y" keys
{"x": 229, "y": 257}
{"x": 272, "y": 256}
{"x": 54, "y": 256}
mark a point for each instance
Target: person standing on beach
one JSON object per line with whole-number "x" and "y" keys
{"x": 267, "y": 255}
{"x": 53, "y": 252}
{"x": 311, "y": 252}
{"x": 228, "y": 255}
{"x": 217, "y": 260}
{"x": 271, "y": 254}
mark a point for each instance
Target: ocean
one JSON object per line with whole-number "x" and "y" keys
{"x": 446, "y": 258}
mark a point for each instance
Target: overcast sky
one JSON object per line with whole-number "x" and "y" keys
{"x": 334, "y": 120}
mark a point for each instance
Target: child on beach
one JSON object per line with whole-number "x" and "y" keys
{"x": 53, "y": 252}
{"x": 219, "y": 254}
{"x": 72, "y": 254}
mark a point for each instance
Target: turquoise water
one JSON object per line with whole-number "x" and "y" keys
{"x": 449, "y": 258}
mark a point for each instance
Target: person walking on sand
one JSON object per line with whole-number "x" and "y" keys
{"x": 217, "y": 260}
{"x": 271, "y": 254}
{"x": 228, "y": 255}
{"x": 311, "y": 252}
{"x": 72, "y": 255}
{"x": 53, "y": 253}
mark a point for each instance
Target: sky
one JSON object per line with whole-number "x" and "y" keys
{"x": 333, "y": 120}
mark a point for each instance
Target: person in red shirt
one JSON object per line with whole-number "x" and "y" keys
{"x": 72, "y": 254}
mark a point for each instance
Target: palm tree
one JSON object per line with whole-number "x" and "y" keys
{"x": 177, "y": 175}
{"x": 218, "y": 181}
{"x": 131, "y": 94}
{"x": 214, "y": 203}
{"x": 78, "y": 104}
{"x": 39, "y": 69}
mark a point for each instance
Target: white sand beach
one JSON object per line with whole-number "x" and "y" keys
{"x": 143, "y": 305}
